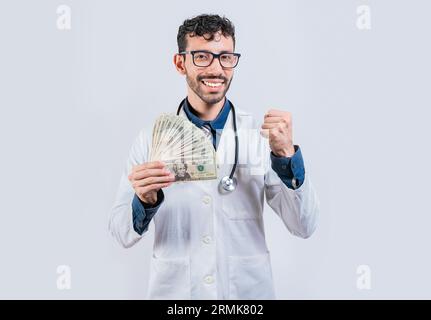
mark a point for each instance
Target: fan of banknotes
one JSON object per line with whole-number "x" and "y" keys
{"x": 185, "y": 149}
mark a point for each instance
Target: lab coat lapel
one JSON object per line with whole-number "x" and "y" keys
{"x": 226, "y": 148}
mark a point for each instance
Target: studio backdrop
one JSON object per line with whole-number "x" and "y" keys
{"x": 80, "y": 79}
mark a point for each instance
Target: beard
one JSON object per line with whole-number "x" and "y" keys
{"x": 209, "y": 98}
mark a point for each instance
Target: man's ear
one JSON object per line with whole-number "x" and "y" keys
{"x": 179, "y": 63}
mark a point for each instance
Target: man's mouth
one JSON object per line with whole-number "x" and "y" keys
{"x": 213, "y": 83}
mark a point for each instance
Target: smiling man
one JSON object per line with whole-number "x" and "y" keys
{"x": 210, "y": 241}
{"x": 207, "y": 82}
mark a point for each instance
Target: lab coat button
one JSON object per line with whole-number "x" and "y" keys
{"x": 206, "y": 239}
{"x": 209, "y": 279}
{"x": 206, "y": 199}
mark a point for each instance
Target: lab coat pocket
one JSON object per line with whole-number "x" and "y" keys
{"x": 250, "y": 277}
{"x": 169, "y": 279}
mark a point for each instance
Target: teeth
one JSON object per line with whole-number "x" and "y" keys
{"x": 213, "y": 84}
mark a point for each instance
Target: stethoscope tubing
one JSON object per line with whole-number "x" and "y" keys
{"x": 236, "y": 135}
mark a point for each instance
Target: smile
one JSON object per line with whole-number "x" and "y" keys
{"x": 212, "y": 84}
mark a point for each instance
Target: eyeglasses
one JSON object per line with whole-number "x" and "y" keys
{"x": 202, "y": 58}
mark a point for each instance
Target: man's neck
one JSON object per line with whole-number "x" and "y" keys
{"x": 206, "y": 112}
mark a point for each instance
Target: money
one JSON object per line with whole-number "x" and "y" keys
{"x": 186, "y": 171}
{"x": 184, "y": 148}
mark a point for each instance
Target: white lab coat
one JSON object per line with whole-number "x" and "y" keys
{"x": 210, "y": 245}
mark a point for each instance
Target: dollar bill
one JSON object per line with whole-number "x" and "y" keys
{"x": 185, "y": 149}
{"x": 189, "y": 171}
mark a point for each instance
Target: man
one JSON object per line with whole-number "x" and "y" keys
{"x": 209, "y": 244}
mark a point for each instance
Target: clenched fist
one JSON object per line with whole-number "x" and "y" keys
{"x": 148, "y": 178}
{"x": 277, "y": 127}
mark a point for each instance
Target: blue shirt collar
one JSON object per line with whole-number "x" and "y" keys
{"x": 216, "y": 124}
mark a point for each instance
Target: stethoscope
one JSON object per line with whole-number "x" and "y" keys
{"x": 227, "y": 183}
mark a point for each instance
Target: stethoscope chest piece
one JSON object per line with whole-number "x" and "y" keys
{"x": 228, "y": 184}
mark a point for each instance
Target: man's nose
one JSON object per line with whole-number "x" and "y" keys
{"x": 216, "y": 65}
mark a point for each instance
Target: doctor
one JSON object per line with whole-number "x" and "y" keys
{"x": 211, "y": 244}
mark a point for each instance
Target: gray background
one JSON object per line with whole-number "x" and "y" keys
{"x": 73, "y": 101}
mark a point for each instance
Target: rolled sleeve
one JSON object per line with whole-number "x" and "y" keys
{"x": 290, "y": 169}
{"x": 143, "y": 212}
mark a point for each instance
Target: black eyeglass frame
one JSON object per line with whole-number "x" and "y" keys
{"x": 214, "y": 55}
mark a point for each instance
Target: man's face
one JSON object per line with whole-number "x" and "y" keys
{"x": 181, "y": 170}
{"x": 210, "y": 83}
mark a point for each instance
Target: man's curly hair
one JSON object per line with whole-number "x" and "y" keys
{"x": 204, "y": 25}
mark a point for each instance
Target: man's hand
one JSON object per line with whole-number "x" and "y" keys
{"x": 277, "y": 126}
{"x": 148, "y": 178}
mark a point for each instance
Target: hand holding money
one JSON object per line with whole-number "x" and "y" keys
{"x": 148, "y": 178}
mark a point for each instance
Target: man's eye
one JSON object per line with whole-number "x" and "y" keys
{"x": 201, "y": 56}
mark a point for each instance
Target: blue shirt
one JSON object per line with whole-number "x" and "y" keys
{"x": 290, "y": 169}
{"x": 216, "y": 126}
